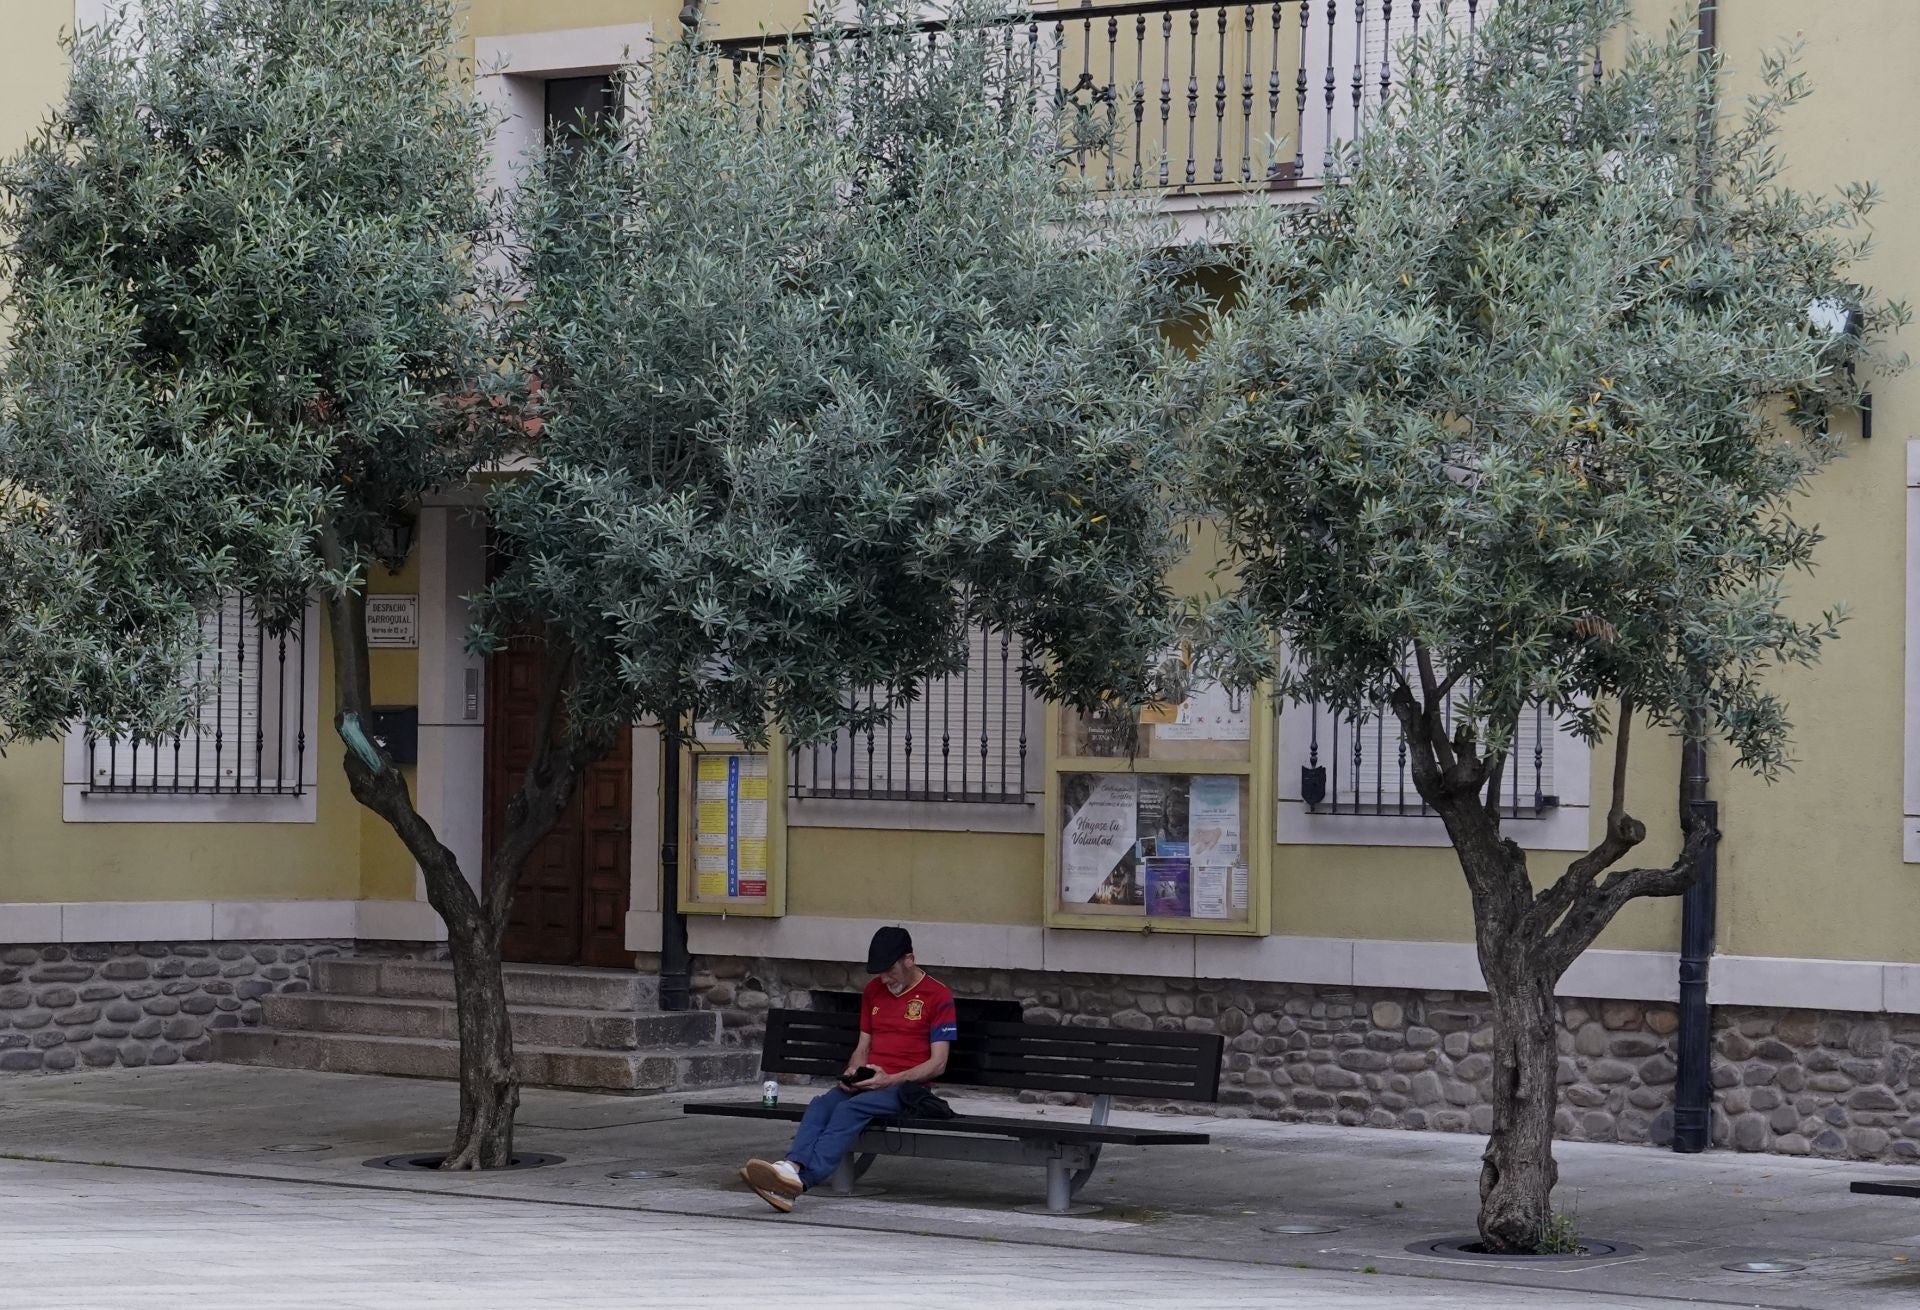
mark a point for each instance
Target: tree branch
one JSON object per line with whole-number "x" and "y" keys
{"x": 1596, "y": 908}
{"x": 376, "y": 783}
{"x": 1623, "y": 833}
{"x": 1443, "y": 747}
{"x": 1617, "y": 807}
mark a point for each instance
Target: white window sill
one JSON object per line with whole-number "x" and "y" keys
{"x": 81, "y": 806}
{"x": 1564, "y": 829}
{"x": 926, "y": 816}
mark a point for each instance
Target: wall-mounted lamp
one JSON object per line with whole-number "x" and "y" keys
{"x": 394, "y": 542}
{"x": 1842, "y": 323}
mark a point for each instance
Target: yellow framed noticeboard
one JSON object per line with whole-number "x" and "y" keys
{"x": 733, "y": 831}
{"x": 1172, "y": 838}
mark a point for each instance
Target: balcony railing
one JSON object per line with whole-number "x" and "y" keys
{"x": 1190, "y": 98}
{"x": 962, "y": 738}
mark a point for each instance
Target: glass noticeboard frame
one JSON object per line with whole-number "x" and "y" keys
{"x": 733, "y": 830}
{"x": 1170, "y": 840}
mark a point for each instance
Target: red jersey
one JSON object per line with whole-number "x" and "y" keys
{"x": 904, "y": 1027}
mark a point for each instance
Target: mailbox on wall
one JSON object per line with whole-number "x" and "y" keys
{"x": 397, "y": 730}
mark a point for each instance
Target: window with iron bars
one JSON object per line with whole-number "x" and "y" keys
{"x": 1358, "y": 764}
{"x": 252, "y": 731}
{"x": 962, "y": 738}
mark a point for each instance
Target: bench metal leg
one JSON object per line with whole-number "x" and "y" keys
{"x": 1080, "y": 1176}
{"x": 1059, "y": 1186}
{"x": 1102, "y": 1108}
{"x": 850, "y": 1170}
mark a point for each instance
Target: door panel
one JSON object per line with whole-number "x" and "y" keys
{"x": 570, "y": 904}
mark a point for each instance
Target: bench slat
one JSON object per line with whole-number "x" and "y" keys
{"x": 1038, "y": 1057}
{"x": 988, "y": 1125}
{"x": 1887, "y": 1189}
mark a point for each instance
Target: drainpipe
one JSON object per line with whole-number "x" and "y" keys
{"x": 1693, "y": 1085}
{"x": 676, "y": 965}
{"x": 1699, "y": 919}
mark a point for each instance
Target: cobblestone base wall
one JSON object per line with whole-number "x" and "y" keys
{"x": 1844, "y": 1085}
{"x": 99, "y": 1005}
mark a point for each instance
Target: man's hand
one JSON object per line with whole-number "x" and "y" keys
{"x": 880, "y": 1079}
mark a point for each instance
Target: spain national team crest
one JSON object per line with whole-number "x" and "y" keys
{"x": 915, "y": 1008}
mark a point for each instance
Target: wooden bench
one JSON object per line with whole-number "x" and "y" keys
{"x": 1099, "y": 1062}
{"x": 1888, "y": 1189}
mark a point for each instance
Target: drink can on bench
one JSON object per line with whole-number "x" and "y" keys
{"x": 770, "y": 1094}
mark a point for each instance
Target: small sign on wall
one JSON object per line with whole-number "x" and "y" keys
{"x": 393, "y": 622}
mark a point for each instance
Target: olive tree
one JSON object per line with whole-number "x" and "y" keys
{"x": 248, "y": 243}
{"x": 806, "y": 392}
{"x": 1516, "y": 415}
{"x": 829, "y": 365}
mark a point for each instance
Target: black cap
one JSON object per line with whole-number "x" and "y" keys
{"x": 888, "y": 945}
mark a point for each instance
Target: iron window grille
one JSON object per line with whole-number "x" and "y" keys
{"x": 962, "y": 738}
{"x": 251, "y": 735}
{"x": 1357, "y": 764}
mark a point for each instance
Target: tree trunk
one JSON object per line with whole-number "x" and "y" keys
{"x": 489, "y": 1085}
{"x": 1517, "y": 1172}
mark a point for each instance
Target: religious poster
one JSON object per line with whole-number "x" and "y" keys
{"x": 1168, "y": 889}
{"x": 1213, "y": 820}
{"x": 1097, "y": 858}
{"x": 1163, "y": 815}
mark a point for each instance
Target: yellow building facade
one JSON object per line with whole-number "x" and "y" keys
{"x": 1331, "y": 943}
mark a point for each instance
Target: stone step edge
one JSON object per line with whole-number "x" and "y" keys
{"x": 515, "y": 1007}
{"x": 510, "y": 966}
{"x": 450, "y": 1044}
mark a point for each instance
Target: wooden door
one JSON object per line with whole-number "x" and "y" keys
{"x": 570, "y": 906}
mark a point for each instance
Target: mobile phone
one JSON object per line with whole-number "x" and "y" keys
{"x": 858, "y": 1076}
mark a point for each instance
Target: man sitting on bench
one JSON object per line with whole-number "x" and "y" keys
{"x": 906, "y": 1029}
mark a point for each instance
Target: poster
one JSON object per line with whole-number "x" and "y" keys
{"x": 1168, "y": 887}
{"x": 1162, "y": 826}
{"x": 1097, "y": 857}
{"x": 1209, "y": 891}
{"x": 1209, "y": 713}
{"x": 1213, "y": 820}
{"x": 730, "y": 827}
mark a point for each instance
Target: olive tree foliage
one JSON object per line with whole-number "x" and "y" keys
{"x": 131, "y": 496}
{"x": 1518, "y": 414}
{"x": 832, "y": 364}
{"x": 245, "y": 257}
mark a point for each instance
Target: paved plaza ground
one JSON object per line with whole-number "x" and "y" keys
{"x": 156, "y": 1188}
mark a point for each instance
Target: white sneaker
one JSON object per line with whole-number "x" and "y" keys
{"x": 789, "y": 1172}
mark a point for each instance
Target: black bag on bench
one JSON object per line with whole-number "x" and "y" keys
{"x": 918, "y": 1101}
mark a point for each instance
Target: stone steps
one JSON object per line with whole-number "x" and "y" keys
{"x": 572, "y": 1027}
{"x": 386, "y": 1016}
{"x": 539, "y": 1066}
{"x": 526, "y": 984}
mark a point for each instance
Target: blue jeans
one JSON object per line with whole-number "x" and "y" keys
{"x": 833, "y": 1121}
